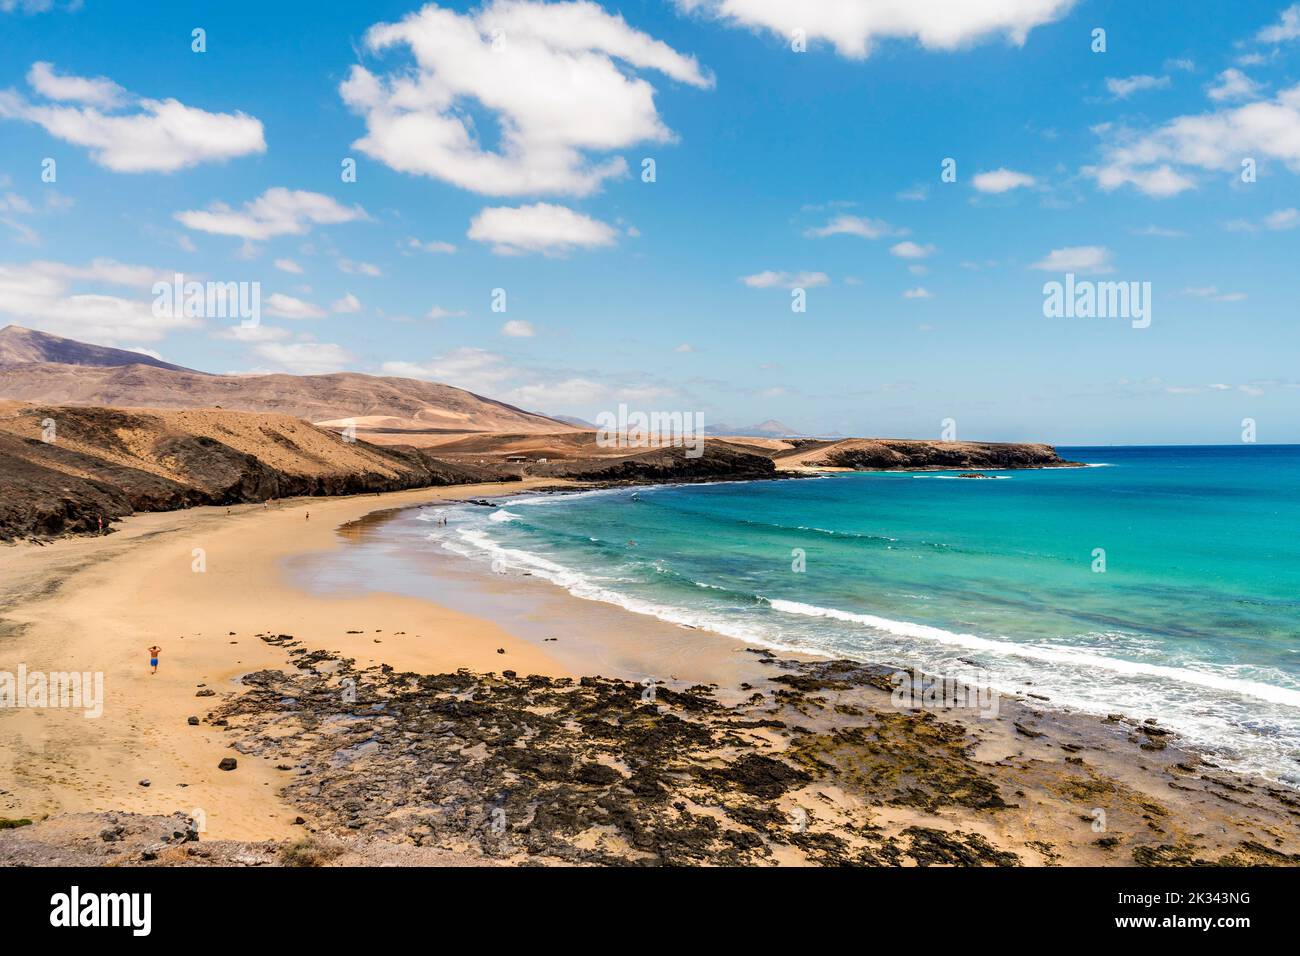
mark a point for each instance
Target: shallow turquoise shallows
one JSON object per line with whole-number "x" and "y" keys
{"x": 1161, "y": 582}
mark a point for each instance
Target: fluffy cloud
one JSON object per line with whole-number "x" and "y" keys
{"x": 1123, "y": 87}
{"x": 1163, "y": 161}
{"x": 68, "y": 300}
{"x": 1287, "y": 28}
{"x": 1002, "y": 180}
{"x": 853, "y": 226}
{"x": 541, "y": 227}
{"x": 911, "y": 250}
{"x": 100, "y": 91}
{"x": 348, "y": 305}
{"x": 559, "y": 80}
{"x": 785, "y": 280}
{"x": 277, "y": 212}
{"x": 149, "y": 136}
{"x": 1232, "y": 84}
{"x": 287, "y": 307}
{"x": 288, "y": 265}
{"x": 920, "y": 292}
{"x": 1094, "y": 259}
{"x": 852, "y": 26}
{"x": 517, "y": 329}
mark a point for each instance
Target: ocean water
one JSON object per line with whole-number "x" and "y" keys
{"x": 1160, "y": 582}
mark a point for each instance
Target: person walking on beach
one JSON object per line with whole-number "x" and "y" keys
{"x": 101, "y": 524}
{"x": 308, "y": 518}
{"x": 153, "y": 658}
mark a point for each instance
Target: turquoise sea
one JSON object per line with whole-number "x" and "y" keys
{"x": 1159, "y": 582}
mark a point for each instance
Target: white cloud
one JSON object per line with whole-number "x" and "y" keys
{"x": 559, "y": 80}
{"x": 852, "y": 26}
{"x": 68, "y": 300}
{"x": 359, "y": 268}
{"x": 277, "y": 212}
{"x": 287, "y": 307}
{"x": 348, "y": 305}
{"x": 252, "y": 333}
{"x": 438, "y": 312}
{"x": 472, "y": 368}
{"x": 1123, "y": 87}
{"x": 517, "y": 329}
{"x": 1282, "y": 219}
{"x": 305, "y": 358}
{"x": 911, "y": 250}
{"x": 852, "y": 226}
{"x": 565, "y": 393}
{"x": 100, "y": 91}
{"x": 288, "y": 265}
{"x": 685, "y": 348}
{"x": 156, "y": 136}
{"x": 542, "y": 227}
{"x": 1162, "y": 161}
{"x": 1232, "y": 84}
{"x": 1287, "y": 28}
{"x": 1095, "y": 259}
{"x": 436, "y": 247}
{"x": 920, "y": 292}
{"x": 1002, "y": 180}
{"x": 769, "y": 279}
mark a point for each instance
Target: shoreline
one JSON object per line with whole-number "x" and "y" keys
{"x": 58, "y": 600}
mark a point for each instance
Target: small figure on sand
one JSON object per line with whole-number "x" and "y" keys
{"x": 153, "y": 658}
{"x": 101, "y": 524}
{"x": 308, "y": 518}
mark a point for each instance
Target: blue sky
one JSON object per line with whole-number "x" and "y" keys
{"x": 500, "y": 146}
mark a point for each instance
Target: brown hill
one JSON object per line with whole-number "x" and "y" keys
{"x": 79, "y": 374}
{"x": 20, "y": 346}
{"x": 112, "y": 462}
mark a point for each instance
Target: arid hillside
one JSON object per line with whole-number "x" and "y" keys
{"x": 35, "y": 367}
{"x": 64, "y": 467}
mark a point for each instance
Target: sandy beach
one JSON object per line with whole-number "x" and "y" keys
{"x": 98, "y": 604}
{"x": 884, "y": 786}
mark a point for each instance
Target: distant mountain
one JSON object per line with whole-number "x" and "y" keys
{"x": 387, "y": 410}
{"x": 768, "y": 429}
{"x": 575, "y": 421}
{"x": 20, "y": 346}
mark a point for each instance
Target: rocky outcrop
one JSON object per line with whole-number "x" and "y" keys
{"x": 896, "y": 454}
{"x": 718, "y": 462}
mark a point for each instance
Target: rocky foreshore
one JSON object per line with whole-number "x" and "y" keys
{"x": 809, "y": 765}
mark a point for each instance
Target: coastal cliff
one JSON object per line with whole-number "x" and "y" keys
{"x": 898, "y": 454}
